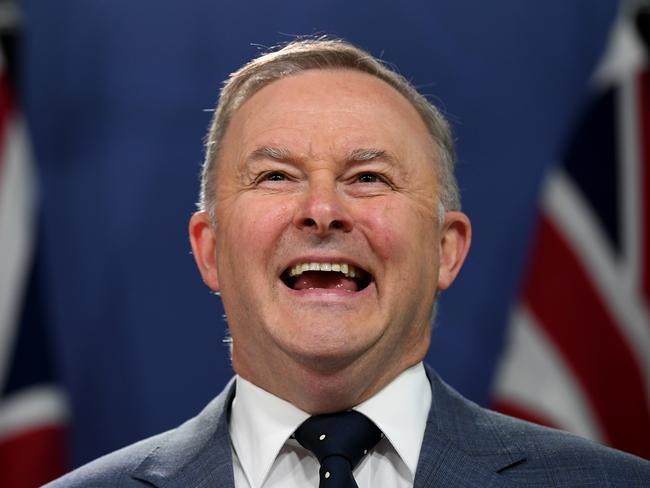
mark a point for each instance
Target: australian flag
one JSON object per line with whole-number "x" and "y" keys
{"x": 579, "y": 341}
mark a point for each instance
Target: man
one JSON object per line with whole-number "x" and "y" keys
{"x": 329, "y": 222}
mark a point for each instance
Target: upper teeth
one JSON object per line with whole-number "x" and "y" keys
{"x": 347, "y": 269}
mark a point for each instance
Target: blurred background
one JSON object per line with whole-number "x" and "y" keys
{"x": 107, "y": 333}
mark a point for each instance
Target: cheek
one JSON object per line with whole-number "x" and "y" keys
{"x": 251, "y": 231}
{"x": 395, "y": 231}
{"x": 406, "y": 241}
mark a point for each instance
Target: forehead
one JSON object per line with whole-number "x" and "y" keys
{"x": 333, "y": 110}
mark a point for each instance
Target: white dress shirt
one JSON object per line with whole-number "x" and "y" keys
{"x": 265, "y": 455}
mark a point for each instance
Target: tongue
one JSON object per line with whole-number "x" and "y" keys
{"x": 324, "y": 279}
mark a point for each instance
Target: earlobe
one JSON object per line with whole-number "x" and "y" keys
{"x": 204, "y": 248}
{"x": 455, "y": 240}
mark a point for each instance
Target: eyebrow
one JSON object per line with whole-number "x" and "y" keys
{"x": 368, "y": 154}
{"x": 280, "y": 153}
{"x": 271, "y": 152}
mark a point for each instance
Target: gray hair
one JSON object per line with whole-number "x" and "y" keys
{"x": 309, "y": 54}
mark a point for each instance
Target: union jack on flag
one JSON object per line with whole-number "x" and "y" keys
{"x": 578, "y": 355}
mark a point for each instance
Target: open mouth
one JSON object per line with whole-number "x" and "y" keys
{"x": 339, "y": 276}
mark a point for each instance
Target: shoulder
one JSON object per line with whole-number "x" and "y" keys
{"x": 526, "y": 453}
{"x": 114, "y": 469}
{"x": 197, "y": 448}
{"x": 558, "y": 458}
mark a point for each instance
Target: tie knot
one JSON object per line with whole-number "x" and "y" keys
{"x": 348, "y": 434}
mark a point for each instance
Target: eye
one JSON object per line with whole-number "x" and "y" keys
{"x": 369, "y": 183}
{"x": 275, "y": 176}
{"x": 370, "y": 178}
{"x": 272, "y": 176}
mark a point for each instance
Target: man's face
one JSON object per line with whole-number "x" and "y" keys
{"x": 328, "y": 245}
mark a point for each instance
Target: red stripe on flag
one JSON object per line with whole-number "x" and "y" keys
{"x": 561, "y": 296}
{"x": 509, "y": 407}
{"x": 34, "y": 457}
{"x": 644, "y": 150}
{"x": 6, "y": 107}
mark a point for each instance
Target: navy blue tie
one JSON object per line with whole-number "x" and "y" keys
{"x": 339, "y": 441}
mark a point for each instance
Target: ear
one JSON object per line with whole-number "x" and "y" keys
{"x": 455, "y": 239}
{"x": 204, "y": 248}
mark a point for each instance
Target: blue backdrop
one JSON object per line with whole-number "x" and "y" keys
{"x": 117, "y": 93}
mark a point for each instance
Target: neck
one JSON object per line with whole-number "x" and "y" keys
{"x": 318, "y": 388}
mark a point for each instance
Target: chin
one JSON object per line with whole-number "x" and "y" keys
{"x": 326, "y": 354}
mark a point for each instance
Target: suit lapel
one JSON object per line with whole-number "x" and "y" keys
{"x": 462, "y": 447}
{"x": 197, "y": 454}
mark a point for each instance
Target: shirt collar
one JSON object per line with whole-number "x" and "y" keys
{"x": 261, "y": 422}
{"x": 400, "y": 410}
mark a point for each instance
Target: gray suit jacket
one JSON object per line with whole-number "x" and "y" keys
{"x": 464, "y": 446}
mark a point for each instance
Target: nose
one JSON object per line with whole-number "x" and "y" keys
{"x": 322, "y": 210}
